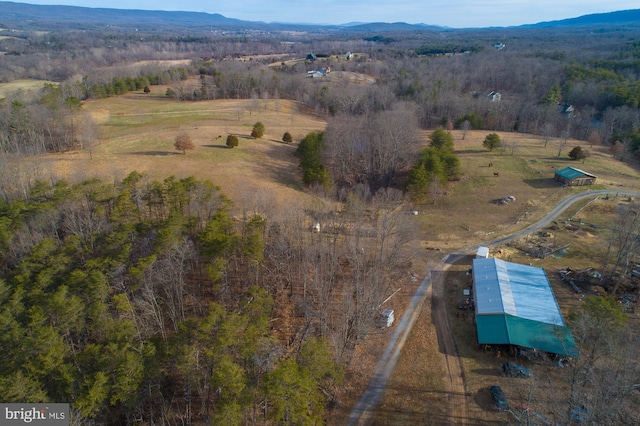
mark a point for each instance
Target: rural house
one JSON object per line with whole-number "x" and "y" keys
{"x": 570, "y": 176}
{"x": 515, "y": 305}
{"x": 567, "y": 109}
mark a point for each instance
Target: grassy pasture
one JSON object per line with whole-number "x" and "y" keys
{"x": 137, "y": 132}
{"x": 26, "y": 88}
{"x": 469, "y": 212}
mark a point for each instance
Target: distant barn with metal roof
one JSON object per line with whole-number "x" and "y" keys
{"x": 515, "y": 305}
{"x": 571, "y": 176}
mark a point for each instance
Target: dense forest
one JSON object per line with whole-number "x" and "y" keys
{"x": 151, "y": 301}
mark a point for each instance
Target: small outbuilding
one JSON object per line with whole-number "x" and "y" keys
{"x": 482, "y": 253}
{"x": 386, "y": 318}
{"x": 570, "y": 176}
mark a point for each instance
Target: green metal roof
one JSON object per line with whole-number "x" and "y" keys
{"x": 514, "y": 304}
{"x": 572, "y": 173}
{"x": 502, "y": 329}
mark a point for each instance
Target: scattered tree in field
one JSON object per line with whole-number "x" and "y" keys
{"x": 184, "y": 143}
{"x": 287, "y": 137}
{"x": 547, "y": 132}
{"x": 564, "y": 140}
{"x": 617, "y": 149}
{"x": 465, "y": 126}
{"x": 441, "y": 140}
{"x": 258, "y": 130}
{"x": 146, "y": 89}
{"x": 476, "y": 122}
{"x": 232, "y": 141}
{"x": 437, "y": 165}
{"x": 577, "y": 153}
{"x": 594, "y": 138}
{"x": 492, "y": 141}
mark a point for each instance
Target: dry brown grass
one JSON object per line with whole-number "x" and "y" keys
{"x": 27, "y": 88}
{"x": 137, "y": 132}
{"x": 469, "y": 214}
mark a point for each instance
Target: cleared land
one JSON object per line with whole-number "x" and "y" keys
{"x": 26, "y": 88}
{"x": 137, "y": 132}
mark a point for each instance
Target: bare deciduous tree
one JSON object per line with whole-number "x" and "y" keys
{"x": 183, "y": 142}
{"x": 623, "y": 244}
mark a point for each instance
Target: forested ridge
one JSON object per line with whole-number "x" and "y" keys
{"x": 148, "y": 302}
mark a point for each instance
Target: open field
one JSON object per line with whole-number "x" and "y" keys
{"x": 27, "y": 88}
{"x": 140, "y": 66}
{"x": 137, "y": 132}
{"x": 469, "y": 212}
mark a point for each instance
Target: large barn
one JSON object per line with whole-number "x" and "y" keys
{"x": 515, "y": 305}
{"x": 570, "y": 176}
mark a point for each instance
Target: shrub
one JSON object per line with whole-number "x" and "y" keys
{"x": 287, "y": 137}
{"x": 258, "y": 130}
{"x": 232, "y": 141}
{"x": 577, "y": 153}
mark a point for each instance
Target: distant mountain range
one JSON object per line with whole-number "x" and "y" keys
{"x": 621, "y": 17}
{"x": 22, "y": 16}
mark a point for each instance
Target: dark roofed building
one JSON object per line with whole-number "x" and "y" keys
{"x": 571, "y": 176}
{"x": 515, "y": 305}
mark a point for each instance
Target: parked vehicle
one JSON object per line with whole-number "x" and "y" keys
{"x": 511, "y": 369}
{"x": 500, "y": 399}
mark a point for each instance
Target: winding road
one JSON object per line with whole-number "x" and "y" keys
{"x": 454, "y": 385}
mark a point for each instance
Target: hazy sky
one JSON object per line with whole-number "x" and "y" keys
{"x": 451, "y": 13}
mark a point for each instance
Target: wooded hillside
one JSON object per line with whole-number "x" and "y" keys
{"x": 149, "y": 302}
